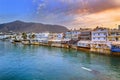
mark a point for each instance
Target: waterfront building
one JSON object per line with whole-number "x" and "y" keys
{"x": 6, "y": 35}
{"x": 56, "y": 36}
{"x": 60, "y": 36}
{"x": 114, "y": 38}
{"x": 42, "y": 37}
{"x": 84, "y": 39}
{"x": 68, "y": 35}
{"x": 72, "y": 34}
{"x": 52, "y": 36}
{"x": 75, "y": 34}
{"x": 99, "y": 34}
{"x": 37, "y": 38}
{"x": 55, "y": 39}
{"x": 85, "y": 34}
{"x": 99, "y": 42}
{"x": 114, "y": 35}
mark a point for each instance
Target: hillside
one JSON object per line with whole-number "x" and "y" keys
{"x": 20, "y": 26}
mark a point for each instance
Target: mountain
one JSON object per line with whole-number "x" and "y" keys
{"x": 20, "y": 26}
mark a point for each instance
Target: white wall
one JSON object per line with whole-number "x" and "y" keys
{"x": 99, "y": 35}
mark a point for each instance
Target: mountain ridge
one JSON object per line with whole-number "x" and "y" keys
{"x": 21, "y": 26}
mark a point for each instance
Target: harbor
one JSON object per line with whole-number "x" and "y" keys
{"x": 59, "y": 39}
{"x": 98, "y": 40}
{"x": 33, "y": 62}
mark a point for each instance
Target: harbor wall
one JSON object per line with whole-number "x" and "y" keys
{"x": 105, "y": 51}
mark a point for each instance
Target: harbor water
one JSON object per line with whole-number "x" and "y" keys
{"x": 25, "y": 62}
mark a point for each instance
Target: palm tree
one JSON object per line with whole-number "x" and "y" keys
{"x": 24, "y": 36}
{"x": 33, "y": 36}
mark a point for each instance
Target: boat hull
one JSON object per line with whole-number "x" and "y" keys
{"x": 115, "y": 48}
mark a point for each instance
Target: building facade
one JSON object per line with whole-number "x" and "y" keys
{"x": 72, "y": 34}
{"x": 85, "y": 35}
{"x": 114, "y": 35}
{"x": 99, "y": 34}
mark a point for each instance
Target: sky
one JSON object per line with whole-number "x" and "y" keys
{"x": 69, "y": 13}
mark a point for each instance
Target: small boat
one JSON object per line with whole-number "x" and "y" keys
{"x": 115, "y": 48}
{"x": 26, "y": 42}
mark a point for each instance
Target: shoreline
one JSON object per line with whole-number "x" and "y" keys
{"x": 67, "y": 46}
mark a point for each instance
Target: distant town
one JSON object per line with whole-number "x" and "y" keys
{"x": 100, "y": 40}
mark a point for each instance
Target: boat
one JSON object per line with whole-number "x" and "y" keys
{"x": 34, "y": 42}
{"x": 115, "y": 48}
{"x": 26, "y": 42}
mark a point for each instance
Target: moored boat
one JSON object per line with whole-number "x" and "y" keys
{"x": 115, "y": 48}
{"x": 26, "y": 42}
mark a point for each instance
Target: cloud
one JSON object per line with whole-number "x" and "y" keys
{"x": 100, "y": 5}
{"x": 78, "y": 12}
{"x": 78, "y": 6}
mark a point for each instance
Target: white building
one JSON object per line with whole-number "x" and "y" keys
{"x": 56, "y": 37}
{"x": 68, "y": 35}
{"x": 73, "y": 34}
{"x": 42, "y": 37}
{"x": 99, "y": 41}
{"x": 99, "y": 34}
{"x": 60, "y": 36}
{"x": 4, "y": 36}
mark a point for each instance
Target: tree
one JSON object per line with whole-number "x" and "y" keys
{"x": 24, "y": 36}
{"x": 33, "y": 36}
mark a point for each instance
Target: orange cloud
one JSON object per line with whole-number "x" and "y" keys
{"x": 77, "y": 13}
{"x": 94, "y": 6}
{"x": 107, "y": 18}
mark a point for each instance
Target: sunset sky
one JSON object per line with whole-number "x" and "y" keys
{"x": 70, "y": 13}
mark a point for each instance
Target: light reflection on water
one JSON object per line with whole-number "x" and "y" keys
{"x": 20, "y": 62}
